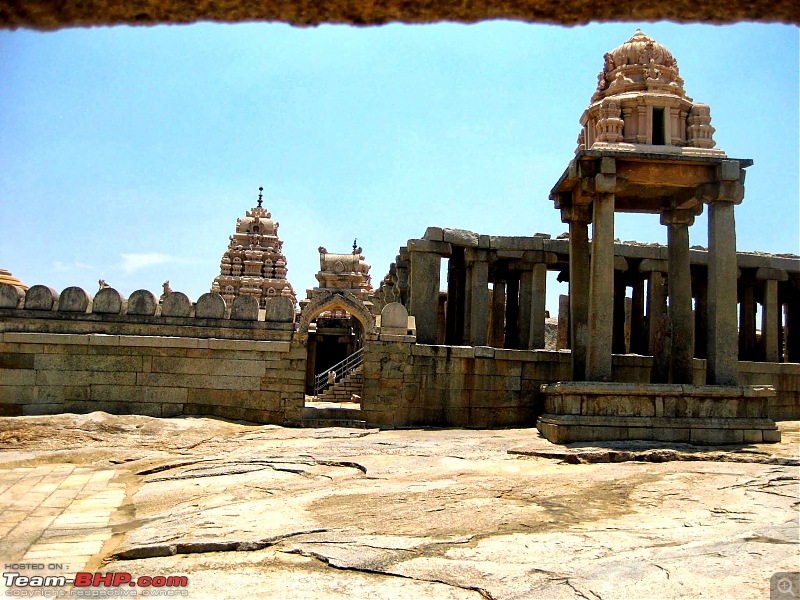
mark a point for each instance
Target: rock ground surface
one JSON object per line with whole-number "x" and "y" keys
{"x": 268, "y": 512}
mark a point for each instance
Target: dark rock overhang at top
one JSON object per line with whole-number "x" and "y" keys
{"x": 57, "y": 14}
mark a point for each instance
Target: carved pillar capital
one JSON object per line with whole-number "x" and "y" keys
{"x": 677, "y": 217}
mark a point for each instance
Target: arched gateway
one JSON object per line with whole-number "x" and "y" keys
{"x": 334, "y": 319}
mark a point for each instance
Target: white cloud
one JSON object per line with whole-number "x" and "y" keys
{"x": 60, "y": 267}
{"x": 135, "y": 262}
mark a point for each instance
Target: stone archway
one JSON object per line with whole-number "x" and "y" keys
{"x": 333, "y": 346}
{"x": 328, "y": 300}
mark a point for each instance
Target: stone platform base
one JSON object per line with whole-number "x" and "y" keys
{"x": 697, "y": 414}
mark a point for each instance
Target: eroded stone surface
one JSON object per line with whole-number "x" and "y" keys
{"x": 50, "y": 14}
{"x": 336, "y": 513}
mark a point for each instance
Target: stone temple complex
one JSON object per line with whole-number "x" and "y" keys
{"x": 657, "y": 343}
{"x": 254, "y": 264}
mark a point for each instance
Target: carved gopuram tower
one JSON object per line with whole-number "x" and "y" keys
{"x": 254, "y": 263}
{"x": 645, "y": 147}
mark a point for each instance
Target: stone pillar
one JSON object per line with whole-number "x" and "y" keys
{"x": 601, "y": 290}
{"x": 722, "y": 325}
{"x": 770, "y": 316}
{"x": 512, "y": 310}
{"x": 562, "y": 339}
{"x": 538, "y": 300}
{"x": 525, "y": 306}
{"x": 403, "y": 265}
{"x": 656, "y": 306}
{"x": 424, "y": 284}
{"x": 454, "y": 319}
{"x": 478, "y": 292}
{"x": 747, "y": 318}
{"x": 680, "y": 295}
{"x": 498, "y": 315}
{"x": 618, "y": 337}
{"x": 700, "y": 283}
{"x": 771, "y": 309}
{"x": 638, "y": 332}
{"x": 579, "y": 294}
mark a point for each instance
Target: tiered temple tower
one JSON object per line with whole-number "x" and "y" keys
{"x": 254, "y": 263}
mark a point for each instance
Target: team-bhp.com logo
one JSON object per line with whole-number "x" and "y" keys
{"x": 94, "y": 585}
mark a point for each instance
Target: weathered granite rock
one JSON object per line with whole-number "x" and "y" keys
{"x": 338, "y": 513}
{"x": 50, "y": 14}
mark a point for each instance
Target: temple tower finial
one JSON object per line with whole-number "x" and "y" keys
{"x": 260, "y": 193}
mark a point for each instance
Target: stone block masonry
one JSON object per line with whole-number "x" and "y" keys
{"x": 413, "y": 385}
{"x": 46, "y": 373}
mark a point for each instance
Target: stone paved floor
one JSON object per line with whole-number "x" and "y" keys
{"x": 56, "y": 514}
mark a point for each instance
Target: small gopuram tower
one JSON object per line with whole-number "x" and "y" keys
{"x": 645, "y": 147}
{"x": 336, "y": 314}
{"x": 254, "y": 263}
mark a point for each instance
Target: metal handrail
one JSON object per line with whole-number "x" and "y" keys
{"x": 341, "y": 370}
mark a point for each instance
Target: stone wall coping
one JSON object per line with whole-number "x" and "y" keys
{"x": 95, "y": 339}
{"x": 92, "y": 317}
{"x": 600, "y": 388}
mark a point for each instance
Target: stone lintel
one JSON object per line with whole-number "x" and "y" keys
{"x": 473, "y": 255}
{"x": 770, "y": 273}
{"x": 649, "y": 265}
{"x": 441, "y": 248}
{"x": 510, "y": 254}
{"x": 502, "y": 242}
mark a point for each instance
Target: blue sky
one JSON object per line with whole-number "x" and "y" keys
{"x": 128, "y": 153}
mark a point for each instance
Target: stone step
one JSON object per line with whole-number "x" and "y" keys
{"x": 312, "y": 413}
{"x": 344, "y": 389}
{"x": 350, "y": 423}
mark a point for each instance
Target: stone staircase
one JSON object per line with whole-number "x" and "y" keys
{"x": 332, "y": 417}
{"x": 343, "y": 390}
{"x": 339, "y": 393}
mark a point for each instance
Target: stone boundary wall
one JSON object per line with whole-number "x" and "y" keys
{"x": 41, "y": 309}
{"x": 413, "y": 385}
{"x": 44, "y": 373}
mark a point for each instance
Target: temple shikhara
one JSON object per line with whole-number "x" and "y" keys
{"x": 254, "y": 264}
{"x": 674, "y": 343}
